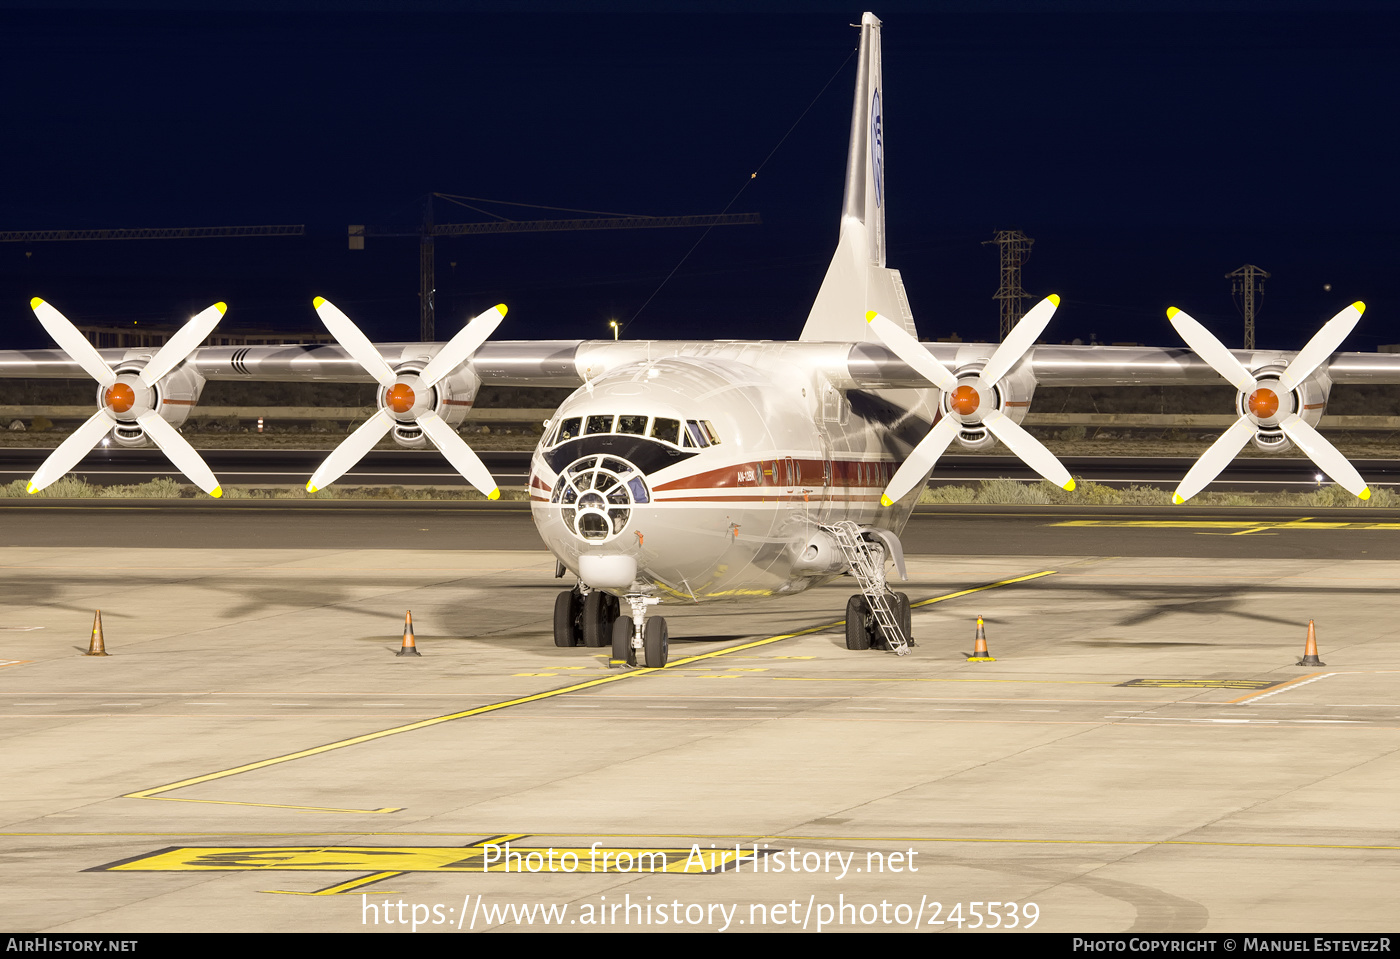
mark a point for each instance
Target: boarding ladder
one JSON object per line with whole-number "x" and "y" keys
{"x": 867, "y": 561}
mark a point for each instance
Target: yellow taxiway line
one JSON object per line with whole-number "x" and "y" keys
{"x": 717, "y": 838}
{"x": 157, "y": 791}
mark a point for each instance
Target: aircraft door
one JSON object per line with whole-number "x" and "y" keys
{"x": 827, "y": 491}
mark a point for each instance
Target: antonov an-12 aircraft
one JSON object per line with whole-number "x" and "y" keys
{"x": 693, "y": 471}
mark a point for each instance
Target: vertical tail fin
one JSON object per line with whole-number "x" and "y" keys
{"x": 856, "y": 280}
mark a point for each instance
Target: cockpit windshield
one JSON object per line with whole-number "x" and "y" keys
{"x": 690, "y": 434}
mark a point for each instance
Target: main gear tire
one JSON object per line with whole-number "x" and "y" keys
{"x": 655, "y": 642}
{"x": 622, "y": 642}
{"x": 565, "y": 619}
{"x": 906, "y": 617}
{"x": 857, "y": 623}
{"x": 599, "y": 612}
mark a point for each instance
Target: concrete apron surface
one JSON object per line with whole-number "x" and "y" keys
{"x": 1143, "y": 754}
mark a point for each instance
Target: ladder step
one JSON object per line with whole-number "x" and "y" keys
{"x": 869, "y": 571}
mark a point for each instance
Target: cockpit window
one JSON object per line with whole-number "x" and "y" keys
{"x": 569, "y": 429}
{"x": 668, "y": 430}
{"x": 688, "y": 434}
{"x": 696, "y": 434}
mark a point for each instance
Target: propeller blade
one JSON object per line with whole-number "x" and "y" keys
{"x": 72, "y": 342}
{"x": 468, "y": 339}
{"x": 1213, "y": 460}
{"x": 1203, "y": 342}
{"x": 1323, "y": 344}
{"x": 459, "y": 454}
{"x": 1021, "y": 338}
{"x": 182, "y": 344}
{"x": 1031, "y": 451}
{"x": 351, "y": 450}
{"x": 348, "y": 335}
{"x": 1328, "y": 458}
{"x": 181, "y": 453}
{"x": 898, "y": 341}
{"x": 921, "y": 459}
{"x": 74, "y": 448}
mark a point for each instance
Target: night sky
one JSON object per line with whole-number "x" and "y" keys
{"x": 1148, "y": 152}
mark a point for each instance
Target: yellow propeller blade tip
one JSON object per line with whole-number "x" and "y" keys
{"x": 310, "y": 488}
{"x": 885, "y": 500}
{"x": 32, "y": 489}
{"x": 1365, "y": 493}
{"x": 1172, "y": 312}
{"x": 494, "y": 494}
{"x": 502, "y": 308}
{"x": 870, "y": 315}
{"x": 1054, "y": 298}
{"x": 318, "y": 301}
{"x": 1359, "y": 306}
{"x": 35, "y": 303}
{"x": 217, "y": 492}
{"x": 1069, "y": 487}
{"x": 1177, "y": 500}
{"x": 222, "y": 307}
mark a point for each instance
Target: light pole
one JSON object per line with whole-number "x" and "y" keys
{"x": 613, "y": 324}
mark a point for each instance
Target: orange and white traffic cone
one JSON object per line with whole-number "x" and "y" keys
{"x": 97, "y": 646}
{"x": 409, "y": 648}
{"x": 1310, "y": 650}
{"x": 979, "y": 648}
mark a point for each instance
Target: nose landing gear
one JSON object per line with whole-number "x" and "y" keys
{"x": 635, "y": 632}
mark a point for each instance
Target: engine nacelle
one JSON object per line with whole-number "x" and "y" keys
{"x": 173, "y": 397}
{"x": 1011, "y": 395}
{"x": 1270, "y": 403}
{"x": 822, "y": 554}
{"x": 451, "y": 398}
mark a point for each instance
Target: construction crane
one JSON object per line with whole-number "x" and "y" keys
{"x": 428, "y": 231}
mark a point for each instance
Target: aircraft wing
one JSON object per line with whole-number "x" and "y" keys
{"x": 872, "y": 366}
{"x": 520, "y": 363}
{"x": 849, "y": 366}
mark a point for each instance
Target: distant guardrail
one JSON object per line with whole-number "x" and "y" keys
{"x": 304, "y": 414}
{"x": 278, "y": 414}
{"x": 1194, "y": 420}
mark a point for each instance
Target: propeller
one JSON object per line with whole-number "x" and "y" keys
{"x": 127, "y": 398}
{"x": 407, "y": 398}
{"x": 1270, "y": 401}
{"x": 970, "y": 400}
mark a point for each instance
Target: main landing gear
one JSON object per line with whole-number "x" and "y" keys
{"x": 590, "y": 617}
{"x": 877, "y": 616}
{"x": 863, "y": 628}
{"x": 584, "y": 618}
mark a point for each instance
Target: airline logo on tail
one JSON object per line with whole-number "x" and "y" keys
{"x": 877, "y": 148}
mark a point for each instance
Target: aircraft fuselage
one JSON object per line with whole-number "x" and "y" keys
{"x": 701, "y": 478}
